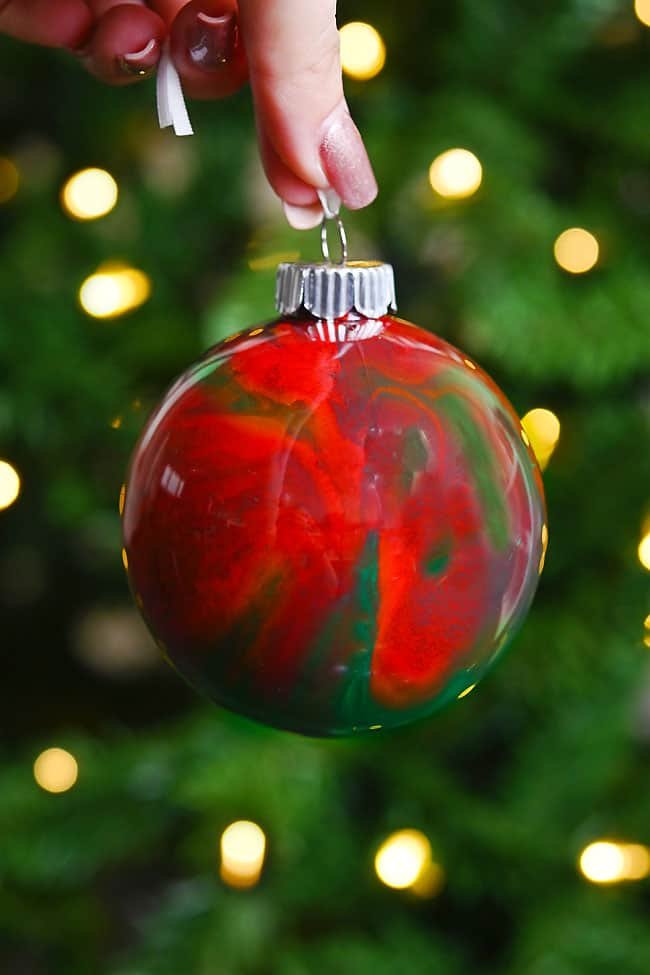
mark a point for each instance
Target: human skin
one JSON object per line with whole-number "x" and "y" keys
{"x": 288, "y": 49}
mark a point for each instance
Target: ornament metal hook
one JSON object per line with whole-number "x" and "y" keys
{"x": 343, "y": 240}
{"x": 330, "y": 202}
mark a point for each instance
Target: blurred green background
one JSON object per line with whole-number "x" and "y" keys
{"x": 121, "y": 874}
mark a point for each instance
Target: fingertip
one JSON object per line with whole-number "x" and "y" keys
{"x": 126, "y": 44}
{"x": 303, "y": 217}
{"x": 207, "y": 48}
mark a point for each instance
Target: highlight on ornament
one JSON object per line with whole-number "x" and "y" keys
{"x": 642, "y": 11}
{"x": 243, "y": 848}
{"x": 542, "y": 428}
{"x": 576, "y": 250}
{"x": 643, "y": 551}
{"x": 56, "y": 770}
{"x": 89, "y": 194}
{"x": 113, "y": 290}
{"x": 455, "y": 174}
{"x": 405, "y": 861}
{"x": 9, "y": 484}
{"x": 363, "y": 52}
{"x": 9, "y": 179}
{"x": 611, "y": 862}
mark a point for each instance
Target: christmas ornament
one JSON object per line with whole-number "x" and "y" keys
{"x": 333, "y": 522}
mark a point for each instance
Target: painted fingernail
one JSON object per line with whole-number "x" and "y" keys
{"x": 211, "y": 40}
{"x": 140, "y": 64}
{"x": 303, "y": 218}
{"x": 345, "y": 160}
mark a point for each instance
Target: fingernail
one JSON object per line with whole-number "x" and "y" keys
{"x": 345, "y": 160}
{"x": 141, "y": 63}
{"x": 303, "y": 218}
{"x": 211, "y": 40}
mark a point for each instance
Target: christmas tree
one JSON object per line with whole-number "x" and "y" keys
{"x": 146, "y": 832}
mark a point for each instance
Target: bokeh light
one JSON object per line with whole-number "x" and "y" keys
{"x": 89, "y": 194}
{"x": 363, "y": 52}
{"x": 402, "y": 858}
{"x": 644, "y": 551}
{"x": 455, "y": 174}
{"x": 56, "y": 770}
{"x": 9, "y": 179}
{"x": 114, "y": 290}
{"x": 542, "y": 428}
{"x": 544, "y": 539}
{"x": 243, "y": 847}
{"x": 608, "y": 862}
{"x": 576, "y": 250}
{"x": 9, "y": 484}
{"x": 642, "y": 10}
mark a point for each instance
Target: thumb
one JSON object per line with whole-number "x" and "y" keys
{"x": 306, "y": 131}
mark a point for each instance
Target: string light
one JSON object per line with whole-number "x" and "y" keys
{"x": 243, "y": 847}
{"x": 9, "y": 484}
{"x": 455, "y": 174}
{"x": 544, "y": 540}
{"x": 644, "y": 551}
{"x": 89, "y": 194}
{"x": 608, "y": 862}
{"x": 404, "y": 860}
{"x": 576, "y": 250}
{"x": 642, "y": 10}
{"x": 9, "y": 179}
{"x": 542, "y": 428}
{"x": 114, "y": 290}
{"x": 363, "y": 52}
{"x": 56, "y": 770}
{"x": 468, "y": 690}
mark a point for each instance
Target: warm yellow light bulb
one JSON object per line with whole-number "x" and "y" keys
{"x": 243, "y": 847}
{"x": 56, "y": 770}
{"x": 602, "y": 862}
{"x": 401, "y": 858}
{"x": 9, "y": 179}
{"x": 644, "y": 551}
{"x": 642, "y": 10}
{"x": 89, "y": 194}
{"x": 455, "y": 174}
{"x": 363, "y": 52}
{"x": 542, "y": 428}
{"x": 576, "y": 250}
{"x": 9, "y": 484}
{"x": 113, "y": 291}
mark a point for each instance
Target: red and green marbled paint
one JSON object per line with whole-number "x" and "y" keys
{"x": 333, "y": 527}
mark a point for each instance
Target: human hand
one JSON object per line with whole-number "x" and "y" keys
{"x": 289, "y": 48}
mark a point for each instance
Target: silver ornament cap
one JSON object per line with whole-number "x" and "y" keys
{"x": 329, "y": 291}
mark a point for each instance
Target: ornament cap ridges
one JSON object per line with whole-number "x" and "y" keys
{"x": 329, "y": 291}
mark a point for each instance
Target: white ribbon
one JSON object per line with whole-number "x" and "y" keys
{"x": 172, "y": 109}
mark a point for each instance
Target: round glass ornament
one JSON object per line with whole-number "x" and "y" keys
{"x": 334, "y": 522}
